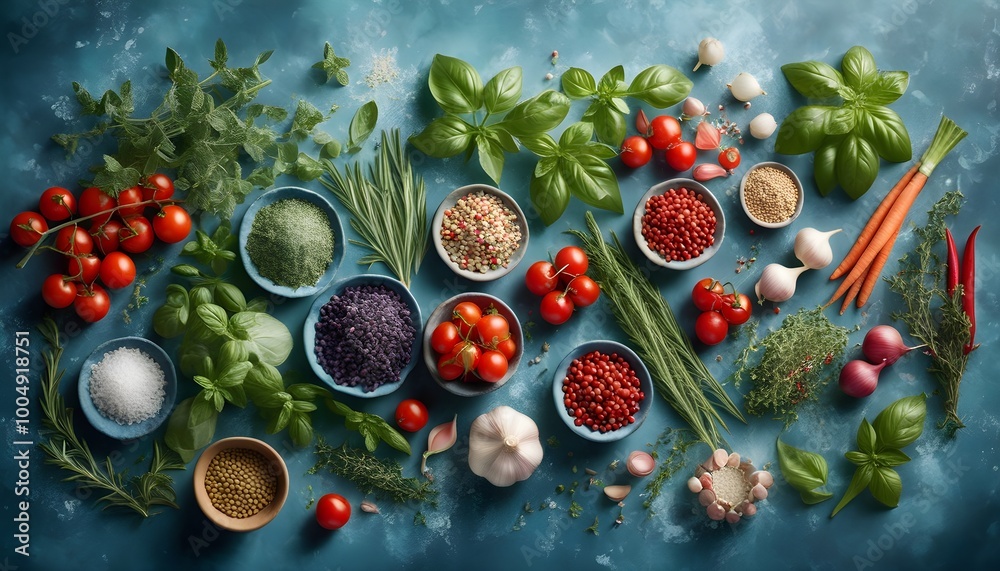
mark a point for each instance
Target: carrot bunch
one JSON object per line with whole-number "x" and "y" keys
{"x": 864, "y": 262}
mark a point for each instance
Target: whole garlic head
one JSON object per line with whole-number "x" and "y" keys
{"x": 504, "y": 446}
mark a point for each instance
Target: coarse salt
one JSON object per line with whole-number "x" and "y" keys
{"x": 127, "y": 385}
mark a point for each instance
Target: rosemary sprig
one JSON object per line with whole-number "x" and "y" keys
{"x": 370, "y": 473}
{"x": 679, "y": 375}
{"x": 388, "y": 207}
{"x": 71, "y": 453}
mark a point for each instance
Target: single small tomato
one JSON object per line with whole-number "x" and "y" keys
{"x": 448, "y": 368}
{"x": 736, "y": 308}
{"x": 57, "y": 204}
{"x": 556, "y": 308}
{"x": 583, "y": 291}
{"x": 84, "y": 268}
{"x": 136, "y": 236}
{"x": 491, "y": 329}
{"x": 681, "y": 156}
{"x": 58, "y": 291}
{"x": 332, "y": 511}
{"x": 729, "y": 158}
{"x": 492, "y": 366}
{"x": 157, "y": 186}
{"x": 635, "y": 151}
{"x": 465, "y": 315}
{"x": 172, "y": 224}
{"x": 74, "y": 240}
{"x": 664, "y": 131}
{"x": 707, "y": 294}
{"x": 541, "y": 278}
{"x": 508, "y": 348}
{"x": 94, "y": 200}
{"x": 117, "y": 270}
{"x": 411, "y": 415}
{"x": 106, "y": 236}
{"x": 570, "y": 262}
{"x": 27, "y": 228}
{"x": 130, "y": 202}
{"x": 444, "y": 337}
{"x": 711, "y": 327}
{"x": 92, "y": 303}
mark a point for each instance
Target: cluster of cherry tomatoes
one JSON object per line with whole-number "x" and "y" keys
{"x": 474, "y": 345}
{"x": 719, "y": 310}
{"x": 664, "y": 133}
{"x": 563, "y": 284}
{"x": 96, "y": 235}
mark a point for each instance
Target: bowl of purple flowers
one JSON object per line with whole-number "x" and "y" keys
{"x": 362, "y": 335}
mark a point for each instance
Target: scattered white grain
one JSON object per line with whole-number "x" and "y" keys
{"x": 127, "y": 385}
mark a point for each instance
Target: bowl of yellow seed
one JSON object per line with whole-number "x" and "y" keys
{"x": 771, "y": 195}
{"x": 240, "y": 483}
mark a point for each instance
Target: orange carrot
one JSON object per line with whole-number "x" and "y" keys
{"x": 873, "y": 224}
{"x": 876, "y": 270}
{"x": 852, "y": 293}
{"x": 846, "y": 285}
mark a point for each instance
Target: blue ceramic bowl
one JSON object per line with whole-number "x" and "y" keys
{"x": 109, "y": 426}
{"x": 309, "y": 332}
{"x": 284, "y": 193}
{"x": 645, "y": 384}
{"x": 442, "y": 313}
{"x": 710, "y": 200}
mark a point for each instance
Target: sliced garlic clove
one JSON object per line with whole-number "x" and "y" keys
{"x": 617, "y": 493}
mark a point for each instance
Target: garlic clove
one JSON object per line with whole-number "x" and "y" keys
{"x": 762, "y": 477}
{"x": 710, "y": 52}
{"x": 716, "y": 512}
{"x": 708, "y": 171}
{"x": 762, "y": 126}
{"x": 441, "y": 438}
{"x": 369, "y": 507}
{"x": 692, "y": 108}
{"x": 734, "y": 460}
{"x": 706, "y": 497}
{"x": 642, "y": 123}
{"x": 720, "y": 457}
{"x": 732, "y": 517}
{"x": 749, "y": 509}
{"x": 745, "y": 87}
{"x": 759, "y": 492}
{"x": 617, "y": 493}
{"x": 706, "y": 481}
{"x": 694, "y": 484}
{"x": 812, "y": 247}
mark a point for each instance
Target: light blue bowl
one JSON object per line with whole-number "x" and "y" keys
{"x": 283, "y": 193}
{"x": 309, "y": 332}
{"x": 111, "y": 427}
{"x": 645, "y": 384}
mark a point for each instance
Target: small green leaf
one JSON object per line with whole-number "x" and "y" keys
{"x": 186, "y": 437}
{"x": 858, "y": 458}
{"x": 803, "y": 470}
{"x": 233, "y": 374}
{"x": 503, "y": 90}
{"x": 578, "y": 83}
{"x": 214, "y": 317}
{"x": 303, "y": 406}
{"x": 229, "y": 297}
{"x": 549, "y": 195}
{"x": 232, "y": 352}
{"x": 308, "y": 168}
{"x": 619, "y": 105}
{"x": 612, "y": 82}
{"x": 608, "y": 123}
{"x": 891, "y": 457}
{"x": 885, "y": 130}
{"x": 886, "y": 486}
{"x": 307, "y": 391}
{"x": 591, "y": 180}
{"x": 824, "y": 165}
{"x": 185, "y": 270}
{"x": 300, "y": 429}
{"x": 577, "y": 134}
{"x": 858, "y": 67}
{"x": 491, "y": 156}
{"x": 338, "y": 407}
{"x": 362, "y": 125}
{"x": 888, "y": 87}
{"x": 902, "y": 422}
{"x": 171, "y": 318}
{"x": 306, "y": 117}
{"x": 333, "y": 65}
{"x": 857, "y": 165}
{"x": 813, "y": 79}
{"x": 280, "y": 421}
{"x": 393, "y": 438}
{"x": 455, "y": 85}
{"x": 542, "y": 145}
{"x": 445, "y": 137}
{"x": 537, "y": 114}
{"x": 803, "y": 130}
{"x": 660, "y": 85}
{"x": 866, "y": 437}
{"x": 862, "y": 476}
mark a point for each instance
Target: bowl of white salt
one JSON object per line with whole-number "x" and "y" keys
{"x": 127, "y": 387}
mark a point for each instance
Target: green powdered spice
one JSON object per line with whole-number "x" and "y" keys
{"x": 291, "y": 243}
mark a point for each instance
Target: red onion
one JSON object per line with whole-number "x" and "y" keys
{"x": 859, "y": 378}
{"x": 884, "y": 343}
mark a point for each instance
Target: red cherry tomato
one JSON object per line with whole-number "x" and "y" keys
{"x": 711, "y": 327}
{"x": 465, "y": 315}
{"x": 117, "y": 270}
{"x": 172, "y": 224}
{"x": 635, "y": 151}
{"x": 541, "y": 278}
{"x": 57, "y": 204}
{"x": 58, "y": 291}
{"x": 583, "y": 291}
{"x": 707, "y": 294}
{"x": 491, "y": 329}
{"x": 94, "y": 200}
{"x": 91, "y": 304}
{"x": 106, "y": 236}
{"x": 332, "y": 511}
{"x": 736, "y": 308}
{"x": 492, "y": 366}
{"x": 411, "y": 415}
{"x": 508, "y": 348}
{"x": 729, "y": 158}
{"x": 84, "y": 268}
{"x": 556, "y": 308}
{"x": 136, "y": 236}
{"x": 444, "y": 337}
{"x": 681, "y": 156}
{"x": 448, "y": 368}
{"x": 74, "y": 240}
{"x": 461, "y": 360}
{"x": 26, "y": 228}
{"x": 157, "y": 186}
{"x": 129, "y": 202}
{"x": 571, "y": 261}
{"x": 664, "y": 131}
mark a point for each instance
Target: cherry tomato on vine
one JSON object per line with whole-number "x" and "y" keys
{"x": 74, "y": 240}
{"x": 583, "y": 291}
{"x": 136, "y": 236}
{"x": 571, "y": 261}
{"x": 57, "y": 203}
{"x": 411, "y": 415}
{"x": 106, "y": 236}
{"x": 541, "y": 278}
{"x": 129, "y": 202}
{"x": 729, "y": 158}
{"x": 58, "y": 291}
{"x": 736, "y": 308}
{"x": 664, "y": 131}
{"x": 635, "y": 151}
{"x": 332, "y": 511}
{"x": 508, "y": 348}
{"x": 465, "y": 315}
{"x": 556, "y": 308}
{"x": 491, "y": 329}
{"x": 92, "y": 303}
{"x": 444, "y": 337}
{"x": 117, "y": 270}
{"x": 448, "y": 368}
{"x": 94, "y": 200}
{"x": 465, "y": 355}
{"x": 707, "y": 294}
{"x": 27, "y": 227}
{"x": 681, "y": 156}
{"x": 492, "y": 366}
{"x": 172, "y": 224}
{"x": 711, "y": 327}
{"x": 157, "y": 186}
{"x": 84, "y": 268}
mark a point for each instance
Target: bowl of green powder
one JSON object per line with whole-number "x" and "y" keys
{"x": 291, "y": 241}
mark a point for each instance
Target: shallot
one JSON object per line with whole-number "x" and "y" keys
{"x": 762, "y": 126}
{"x": 777, "y": 283}
{"x": 710, "y": 52}
{"x": 859, "y": 378}
{"x": 745, "y": 87}
{"x": 707, "y": 137}
{"x": 883, "y": 343}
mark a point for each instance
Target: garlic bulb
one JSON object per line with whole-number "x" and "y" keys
{"x": 745, "y": 87}
{"x": 504, "y": 446}
{"x": 710, "y": 52}
{"x": 812, "y": 248}
{"x": 777, "y": 283}
{"x": 763, "y": 125}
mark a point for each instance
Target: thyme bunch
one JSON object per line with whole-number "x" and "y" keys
{"x": 370, "y": 473}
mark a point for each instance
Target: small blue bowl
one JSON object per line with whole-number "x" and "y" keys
{"x": 109, "y": 426}
{"x": 309, "y": 332}
{"x": 645, "y": 384}
{"x": 284, "y": 193}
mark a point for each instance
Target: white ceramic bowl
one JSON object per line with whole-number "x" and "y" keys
{"x": 709, "y": 199}
{"x": 798, "y": 204}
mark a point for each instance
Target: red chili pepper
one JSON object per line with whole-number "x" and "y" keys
{"x": 969, "y": 286}
{"x": 951, "y": 280}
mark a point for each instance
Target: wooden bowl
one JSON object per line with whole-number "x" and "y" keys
{"x": 262, "y": 517}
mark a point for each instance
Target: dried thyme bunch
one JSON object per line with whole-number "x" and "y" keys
{"x": 370, "y": 473}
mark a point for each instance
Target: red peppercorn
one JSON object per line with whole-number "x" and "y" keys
{"x": 678, "y": 225}
{"x": 601, "y": 392}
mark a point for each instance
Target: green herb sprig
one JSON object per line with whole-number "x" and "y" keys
{"x": 370, "y": 473}
{"x": 69, "y": 452}
{"x": 333, "y": 65}
{"x": 804, "y": 471}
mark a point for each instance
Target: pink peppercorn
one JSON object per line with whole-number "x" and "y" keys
{"x": 678, "y": 225}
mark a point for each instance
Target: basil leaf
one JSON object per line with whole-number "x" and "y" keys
{"x": 537, "y": 114}
{"x": 884, "y": 129}
{"x": 862, "y": 476}
{"x": 186, "y": 437}
{"x": 490, "y": 156}
{"x": 803, "y": 470}
{"x": 233, "y": 374}
{"x": 393, "y": 438}
{"x": 619, "y": 105}
{"x": 803, "y": 130}
{"x": 549, "y": 194}
{"x": 824, "y": 165}
{"x": 307, "y": 391}
{"x": 542, "y": 145}
{"x": 857, "y": 165}
{"x": 891, "y": 457}
{"x": 371, "y": 439}
{"x": 200, "y": 295}
{"x": 262, "y": 382}
{"x": 308, "y": 168}
{"x": 813, "y": 79}
{"x": 215, "y": 318}
{"x": 233, "y": 352}
{"x": 812, "y": 497}
{"x": 362, "y": 125}
{"x": 237, "y": 396}
{"x": 455, "y": 85}
{"x": 608, "y": 123}
{"x": 660, "y": 85}
{"x": 229, "y": 297}
{"x": 592, "y": 181}
{"x": 302, "y": 406}
{"x": 577, "y": 134}
{"x": 445, "y": 137}
{"x": 338, "y": 407}
{"x": 170, "y": 319}
{"x": 888, "y": 87}
{"x": 902, "y": 422}
{"x": 578, "y": 83}
{"x": 503, "y": 90}
{"x": 545, "y": 165}
{"x": 280, "y": 420}
{"x": 612, "y": 82}
{"x": 841, "y": 121}
{"x": 185, "y": 270}
{"x": 300, "y": 429}
{"x": 505, "y": 139}
{"x": 866, "y": 437}
{"x": 858, "y": 458}
{"x": 264, "y": 336}
{"x": 886, "y": 486}
{"x": 858, "y": 67}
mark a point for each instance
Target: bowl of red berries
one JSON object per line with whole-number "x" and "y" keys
{"x": 472, "y": 344}
{"x": 678, "y": 224}
{"x": 602, "y": 391}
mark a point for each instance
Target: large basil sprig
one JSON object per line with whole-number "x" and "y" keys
{"x": 850, "y": 137}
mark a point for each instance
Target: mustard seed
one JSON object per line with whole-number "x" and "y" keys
{"x": 240, "y": 482}
{"x": 770, "y": 194}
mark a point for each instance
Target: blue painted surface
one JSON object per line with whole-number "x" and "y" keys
{"x": 948, "y": 512}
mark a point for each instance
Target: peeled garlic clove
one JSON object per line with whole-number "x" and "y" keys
{"x": 745, "y": 87}
{"x": 706, "y": 481}
{"x": 692, "y": 108}
{"x": 617, "y": 493}
{"x": 762, "y": 477}
{"x": 642, "y": 123}
{"x": 716, "y": 512}
{"x": 763, "y": 125}
{"x": 694, "y": 484}
{"x": 369, "y": 507}
{"x": 708, "y": 171}
{"x": 759, "y": 492}
{"x": 710, "y": 52}
{"x": 812, "y": 247}
{"x": 706, "y": 497}
{"x": 734, "y": 460}
{"x": 749, "y": 510}
{"x": 720, "y": 457}
{"x": 707, "y": 137}
{"x": 777, "y": 283}
{"x": 640, "y": 463}
{"x": 732, "y": 517}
